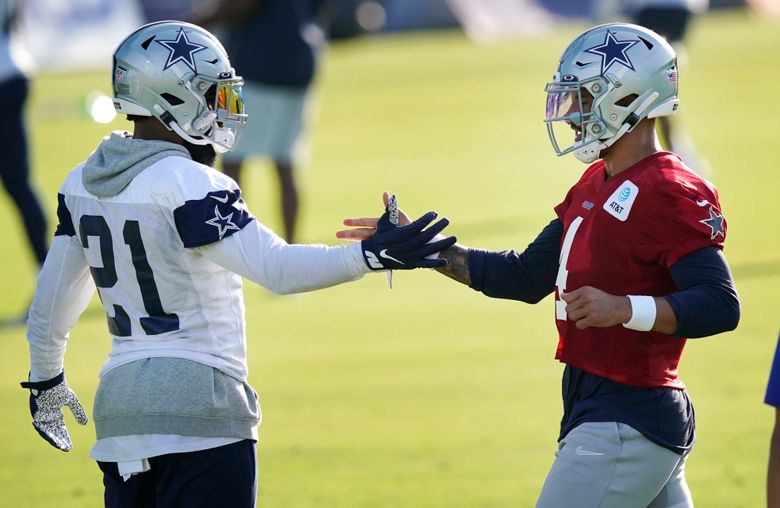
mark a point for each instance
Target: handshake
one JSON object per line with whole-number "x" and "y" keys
{"x": 389, "y": 246}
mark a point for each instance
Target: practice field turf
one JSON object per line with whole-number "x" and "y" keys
{"x": 432, "y": 395}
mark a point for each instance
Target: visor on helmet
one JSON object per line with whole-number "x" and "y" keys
{"x": 230, "y": 97}
{"x": 571, "y": 123}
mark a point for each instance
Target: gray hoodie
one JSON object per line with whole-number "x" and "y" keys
{"x": 120, "y": 158}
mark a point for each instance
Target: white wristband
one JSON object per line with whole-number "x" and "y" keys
{"x": 642, "y": 313}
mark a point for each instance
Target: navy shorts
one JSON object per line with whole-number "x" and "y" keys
{"x": 223, "y": 476}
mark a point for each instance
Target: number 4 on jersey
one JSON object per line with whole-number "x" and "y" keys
{"x": 563, "y": 272}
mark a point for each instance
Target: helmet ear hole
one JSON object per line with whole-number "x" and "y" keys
{"x": 627, "y": 100}
{"x": 171, "y": 99}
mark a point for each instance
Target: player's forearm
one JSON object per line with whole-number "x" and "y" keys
{"x": 526, "y": 276}
{"x": 665, "y": 320}
{"x": 303, "y": 268}
{"x": 457, "y": 267}
{"x": 62, "y": 293}
{"x": 260, "y": 255}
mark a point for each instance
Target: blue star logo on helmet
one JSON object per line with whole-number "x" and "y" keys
{"x": 182, "y": 50}
{"x": 613, "y": 51}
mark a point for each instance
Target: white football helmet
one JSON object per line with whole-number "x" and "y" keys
{"x": 180, "y": 74}
{"x": 629, "y": 71}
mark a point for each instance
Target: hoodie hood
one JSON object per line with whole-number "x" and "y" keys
{"x": 120, "y": 158}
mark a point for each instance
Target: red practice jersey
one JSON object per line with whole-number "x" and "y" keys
{"x": 622, "y": 235}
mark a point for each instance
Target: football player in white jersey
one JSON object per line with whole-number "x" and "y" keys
{"x": 166, "y": 240}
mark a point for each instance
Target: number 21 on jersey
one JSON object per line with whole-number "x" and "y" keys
{"x": 106, "y": 276}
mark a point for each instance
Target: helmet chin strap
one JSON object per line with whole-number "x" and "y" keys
{"x": 222, "y": 139}
{"x": 590, "y": 152}
{"x": 178, "y": 130}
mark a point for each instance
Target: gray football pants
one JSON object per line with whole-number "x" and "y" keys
{"x": 611, "y": 465}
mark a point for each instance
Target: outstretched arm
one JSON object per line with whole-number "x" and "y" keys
{"x": 527, "y": 276}
{"x": 258, "y": 254}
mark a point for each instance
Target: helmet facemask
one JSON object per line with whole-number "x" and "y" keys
{"x": 572, "y": 114}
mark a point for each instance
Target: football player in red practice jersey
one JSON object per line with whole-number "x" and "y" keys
{"x": 634, "y": 257}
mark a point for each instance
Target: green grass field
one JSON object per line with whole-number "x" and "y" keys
{"x": 432, "y": 395}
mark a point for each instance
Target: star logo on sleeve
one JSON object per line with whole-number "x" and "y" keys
{"x": 715, "y": 223}
{"x": 613, "y": 51}
{"x": 222, "y": 223}
{"x": 182, "y": 50}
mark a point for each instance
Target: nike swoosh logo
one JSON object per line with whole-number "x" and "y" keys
{"x": 383, "y": 253}
{"x": 223, "y": 199}
{"x": 702, "y": 202}
{"x": 581, "y": 450}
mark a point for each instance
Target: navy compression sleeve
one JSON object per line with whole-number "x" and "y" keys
{"x": 527, "y": 276}
{"x": 707, "y": 302}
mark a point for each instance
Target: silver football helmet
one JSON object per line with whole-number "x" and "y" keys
{"x": 608, "y": 79}
{"x": 180, "y": 74}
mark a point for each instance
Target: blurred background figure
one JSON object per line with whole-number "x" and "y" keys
{"x": 274, "y": 45}
{"x": 772, "y": 398}
{"x": 669, "y": 19}
{"x": 15, "y": 166}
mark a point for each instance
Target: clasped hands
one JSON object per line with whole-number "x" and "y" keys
{"x": 405, "y": 246}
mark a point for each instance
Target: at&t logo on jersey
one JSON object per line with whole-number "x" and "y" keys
{"x": 620, "y": 202}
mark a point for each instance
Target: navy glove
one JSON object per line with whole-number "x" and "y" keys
{"x": 405, "y": 247}
{"x": 46, "y": 401}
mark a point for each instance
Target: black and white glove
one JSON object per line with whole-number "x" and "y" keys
{"x": 46, "y": 401}
{"x": 405, "y": 247}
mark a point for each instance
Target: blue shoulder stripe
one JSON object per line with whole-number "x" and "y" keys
{"x": 212, "y": 218}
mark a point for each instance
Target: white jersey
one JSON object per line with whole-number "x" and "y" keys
{"x": 165, "y": 241}
{"x": 167, "y": 254}
{"x": 164, "y": 298}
